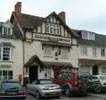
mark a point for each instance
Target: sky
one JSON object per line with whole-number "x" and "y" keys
{"x": 80, "y": 14}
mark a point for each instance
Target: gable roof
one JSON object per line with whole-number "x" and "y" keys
{"x": 100, "y": 39}
{"x": 31, "y": 21}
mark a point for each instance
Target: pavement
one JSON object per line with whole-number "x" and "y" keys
{"x": 91, "y": 96}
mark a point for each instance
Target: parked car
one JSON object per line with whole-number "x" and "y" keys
{"x": 12, "y": 90}
{"x": 71, "y": 83}
{"x": 97, "y": 83}
{"x": 44, "y": 88}
{"x": 85, "y": 76}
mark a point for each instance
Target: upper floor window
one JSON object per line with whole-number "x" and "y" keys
{"x": 52, "y": 28}
{"x": 7, "y": 30}
{"x": 65, "y": 53}
{"x": 84, "y": 51}
{"x": 102, "y": 51}
{"x": 48, "y": 51}
{"x": 88, "y": 35}
{"x": 84, "y": 35}
{"x": 94, "y": 51}
{"x": 5, "y": 52}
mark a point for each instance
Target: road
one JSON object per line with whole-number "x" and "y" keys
{"x": 89, "y": 97}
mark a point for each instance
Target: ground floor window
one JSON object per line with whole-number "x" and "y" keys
{"x": 6, "y": 74}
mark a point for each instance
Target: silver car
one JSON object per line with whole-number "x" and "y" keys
{"x": 44, "y": 88}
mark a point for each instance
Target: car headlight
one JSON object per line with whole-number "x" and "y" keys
{"x": 58, "y": 87}
{"x": 43, "y": 88}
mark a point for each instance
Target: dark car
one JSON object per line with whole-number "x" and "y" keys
{"x": 12, "y": 90}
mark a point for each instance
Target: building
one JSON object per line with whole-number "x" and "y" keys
{"x": 11, "y": 60}
{"x": 92, "y": 52}
{"x": 48, "y": 43}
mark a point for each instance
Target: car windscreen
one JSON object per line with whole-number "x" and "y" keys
{"x": 11, "y": 85}
{"x": 103, "y": 77}
{"x": 45, "y": 82}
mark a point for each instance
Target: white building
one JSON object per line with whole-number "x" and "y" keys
{"x": 92, "y": 52}
{"x": 48, "y": 43}
{"x": 11, "y": 60}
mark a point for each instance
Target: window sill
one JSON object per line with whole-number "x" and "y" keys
{"x": 48, "y": 56}
{"x": 6, "y": 61}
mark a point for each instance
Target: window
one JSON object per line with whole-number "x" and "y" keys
{"x": 52, "y": 28}
{"x": 47, "y": 28}
{"x": 5, "y": 51}
{"x": 91, "y": 36}
{"x": 102, "y": 51}
{"x": 7, "y": 30}
{"x": 84, "y": 35}
{"x": 84, "y": 51}
{"x": 88, "y": 35}
{"x": 94, "y": 52}
{"x": 6, "y": 74}
{"x": 48, "y": 51}
{"x": 64, "y": 53}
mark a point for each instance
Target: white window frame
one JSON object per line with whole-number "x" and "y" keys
{"x": 91, "y": 36}
{"x": 84, "y": 35}
{"x": 64, "y": 53}
{"x": 102, "y": 52}
{"x": 94, "y": 51}
{"x": 6, "y": 75}
{"x": 48, "y": 51}
{"x": 7, "y": 30}
{"x": 6, "y": 53}
{"x": 52, "y": 28}
{"x": 1, "y": 54}
{"x": 88, "y": 35}
{"x": 84, "y": 50}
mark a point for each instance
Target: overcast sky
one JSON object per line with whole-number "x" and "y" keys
{"x": 80, "y": 14}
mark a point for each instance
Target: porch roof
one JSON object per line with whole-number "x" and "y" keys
{"x": 34, "y": 60}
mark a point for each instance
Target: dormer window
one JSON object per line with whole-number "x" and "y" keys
{"x": 88, "y": 35}
{"x": 52, "y": 28}
{"x": 7, "y": 30}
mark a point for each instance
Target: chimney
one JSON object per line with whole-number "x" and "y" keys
{"x": 18, "y": 8}
{"x": 62, "y": 16}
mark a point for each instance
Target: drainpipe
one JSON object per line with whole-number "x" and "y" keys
{"x": 23, "y": 54}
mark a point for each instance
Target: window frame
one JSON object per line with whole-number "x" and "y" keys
{"x": 2, "y": 53}
{"x": 53, "y": 28}
{"x": 94, "y": 51}
{"x": 84, "y": 51}
{"x": 64, "y": 52}
{"x": 103, "y": 52}
{"x": 6, "y": 75}
{"x": 46, "y": 50}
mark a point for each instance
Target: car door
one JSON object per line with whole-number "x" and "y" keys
{"x": 34, "y": 86}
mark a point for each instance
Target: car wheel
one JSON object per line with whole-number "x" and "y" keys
{"x": 98, "y": 90}
{"x": 38, "y": 95}
{"x": 67, "y": 91}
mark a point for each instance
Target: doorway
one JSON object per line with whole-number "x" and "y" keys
{"x": 33, "y": 73}
{"x": 95, "y": 70}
